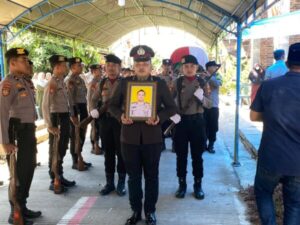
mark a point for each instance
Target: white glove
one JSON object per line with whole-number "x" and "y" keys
{"x": 199, "y": 93}
{"x": 176, "y": 118}
{"x": 95, "y": 114}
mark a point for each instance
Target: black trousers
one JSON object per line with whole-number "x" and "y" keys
{"x": 81, "y": 111}
{"x": 110, "y": 130}
{"x": 61, "y": 120}
{"x": 95, "y": 131}
{"x": 24, "y": 134}
{"x": 191, "y": 130}
{"x": 139, "y": 158}
{"x": 212, "y": 124}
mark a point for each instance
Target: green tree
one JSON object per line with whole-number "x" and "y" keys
{"x": 42, "y": 45}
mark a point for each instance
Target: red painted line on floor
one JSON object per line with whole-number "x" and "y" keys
{"x": 81, "y": 213}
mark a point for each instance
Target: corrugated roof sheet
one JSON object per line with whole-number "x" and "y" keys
{"x": 103, "y": 21}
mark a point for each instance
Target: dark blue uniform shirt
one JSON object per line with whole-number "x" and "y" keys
{"x": 278, "y": 100}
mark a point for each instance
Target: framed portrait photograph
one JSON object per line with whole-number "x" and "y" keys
{"x": 141, "y": 101}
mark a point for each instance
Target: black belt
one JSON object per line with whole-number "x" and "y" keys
{"x": 192, "y": 116}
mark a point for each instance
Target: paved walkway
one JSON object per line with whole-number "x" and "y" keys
{"x": 83, "y": 204}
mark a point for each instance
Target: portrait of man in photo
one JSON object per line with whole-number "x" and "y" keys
{"x": 140, "y": 108}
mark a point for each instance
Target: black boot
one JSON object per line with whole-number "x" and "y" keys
{"x": 180, "y": 193}
{"x": 67, "y": 183}
{"x": 62, "y": 190}
{"x": 198, "y": 192}
{"x": 11, "y": 216}
{"x": 150, "y": 219}
{"x": 110, "y": 185}
{"x": 30, "y": 214}
{"x": 136, "y": 217}
{"x": 210, "y": 148}
{"x": 121, "y": 185}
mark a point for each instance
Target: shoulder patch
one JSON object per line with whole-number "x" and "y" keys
{"x": 52, "y": 86}
{"x": 6, "y": 87}
{"x": 5, "y": 92}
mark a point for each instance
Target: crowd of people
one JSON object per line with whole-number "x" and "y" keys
{"x": 131, "y": 141}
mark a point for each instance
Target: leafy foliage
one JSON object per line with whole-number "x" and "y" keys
{"x": 41, "y": 46}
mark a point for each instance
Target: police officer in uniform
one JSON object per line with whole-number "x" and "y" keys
{"x": 166, "y": 75}
{"x": 110, "y": 127}
{"x": 93, "y": 86}
{"x": 212, "y": 115}
{"x": 57, "y": 114}
{"x": 17, "y": 116}
{"x": 78, "y": 93}
{"x": 141, "y": 141}
{"x": 191, "y": 101}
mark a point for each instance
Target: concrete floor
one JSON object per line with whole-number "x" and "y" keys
{"x": 221, "y": 205}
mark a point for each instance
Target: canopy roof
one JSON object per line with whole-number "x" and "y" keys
{"x": 101, "y": 22}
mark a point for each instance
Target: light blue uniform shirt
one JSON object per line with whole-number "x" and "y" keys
{"x": 276, "y": 70}
{"x": 215, "y": 82}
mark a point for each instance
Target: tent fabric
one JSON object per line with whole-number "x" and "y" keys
{"x": 269, "y": 27}
{"x": 102, "y": 22}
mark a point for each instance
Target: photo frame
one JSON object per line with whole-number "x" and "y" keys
{"x": 141, "y": 100}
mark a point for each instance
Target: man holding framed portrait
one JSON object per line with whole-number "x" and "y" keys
{"x": 137, "y": 103}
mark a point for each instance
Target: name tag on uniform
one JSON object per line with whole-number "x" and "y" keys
{"x": 23, "y": 94}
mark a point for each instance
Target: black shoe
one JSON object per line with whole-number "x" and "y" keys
{"x": 30, "y": 214}
{"x": 26, "y": 222}
{"x": 108, "y": 188}
{"x": 121, "y": 185}
{"x": 88, "y": 165}
{"x": 62, "y": 190}
{"x": 67, "y": 183}
{"x": 136, "y": 217}
{"x": 75, "y": 166}
{"x": 210, "y": 148}
{"x": 198, "y": 192}
{"x": 180, "y": 193}
{"x": 150, "y": 219}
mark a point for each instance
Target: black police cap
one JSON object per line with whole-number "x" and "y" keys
{"x": 294, "y": 54}
{"x": 141, "y": 53}
{"x": 95, "y": 66}
{"x": 167, "y": 62}
{"x": 75, "y": 60}
{"x": 55, "y": 59}
{"x": 113, "y": 59}
{"x": 189, "y": 59}
{"x": 212, "y": 63}
{"x": 15, "y": 52}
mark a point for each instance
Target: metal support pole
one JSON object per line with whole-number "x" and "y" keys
{"x": 236, "y": 162}
{"x": 217, "y": 49}
{"x": 2, "y": 59}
